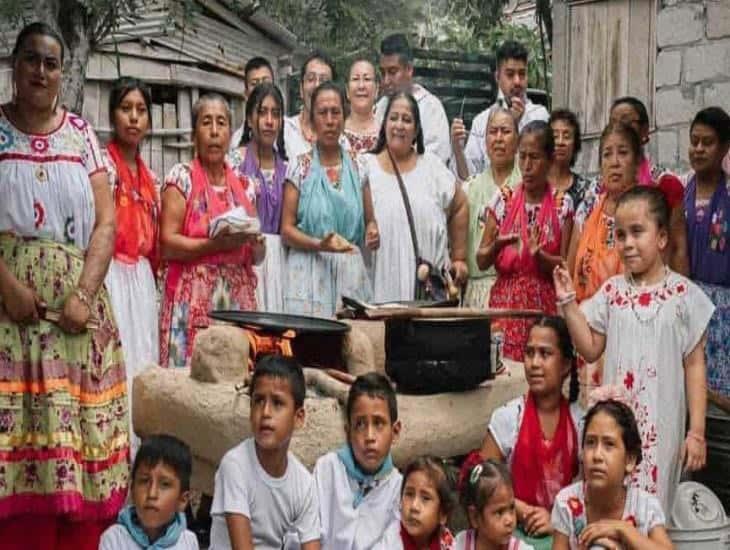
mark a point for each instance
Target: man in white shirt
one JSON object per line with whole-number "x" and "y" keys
{"x": 511, "y": 77}
{"x": 396, "y": 66}
{"x": 257, "y": 71}
{"x": 298, "y": 133}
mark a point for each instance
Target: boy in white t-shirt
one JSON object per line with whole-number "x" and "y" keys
{"x": 160, "y": 492}
{"x": 357, "y": 485}
{"x": 264, "y": 497}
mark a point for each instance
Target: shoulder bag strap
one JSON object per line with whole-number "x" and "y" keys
{"x": 406, "y": 203}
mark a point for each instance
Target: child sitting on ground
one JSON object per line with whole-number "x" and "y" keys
{"x": 264, "y": 497}
{"x": 357, "y": 485}
{"x": 160, "y": 492}
{"x": 489, "y": 502}
{"x": 426, "y": 504}
{"x": 538, "y": 434}
{"x": 605, "y": 510}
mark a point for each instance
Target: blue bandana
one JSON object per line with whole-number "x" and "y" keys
{"x": 365, "y": 482}
{"x": 128, "y": 518}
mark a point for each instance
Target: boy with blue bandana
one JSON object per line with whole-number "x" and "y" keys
{"x": 160, "y": 492}
{"x": 358, "y": 485}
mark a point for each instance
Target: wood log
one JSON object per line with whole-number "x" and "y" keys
{"x": 449, "y": 313}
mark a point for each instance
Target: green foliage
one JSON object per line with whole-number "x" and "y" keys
{"x": 455, "y": 35}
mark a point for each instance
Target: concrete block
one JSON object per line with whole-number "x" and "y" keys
{"x": 707, "y": 61}
{"x": 667, "y": 147}
{"x": 680, "y": 24}
{"x": 683, "y": 133}
{"x": 668, "y": 68}
{"x": 718, "y": 19}
{"x": 677, "y": 105}
{"x": 717, "y": 94}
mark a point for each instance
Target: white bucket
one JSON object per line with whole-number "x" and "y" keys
{"x": 713, "y": 538}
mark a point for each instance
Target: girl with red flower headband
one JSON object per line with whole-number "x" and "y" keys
{"x": 652, "y": 324}
{"x": 604, "y": 510}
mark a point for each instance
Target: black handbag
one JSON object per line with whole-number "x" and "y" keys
{"x": 432, "y": 283}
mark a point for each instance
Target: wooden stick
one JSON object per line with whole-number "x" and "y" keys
{"x": 449, "y": 313}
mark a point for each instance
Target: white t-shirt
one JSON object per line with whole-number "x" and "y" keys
{"x": 466, "y": 540}
{"x": 118, "y": 538}
{"x": 569, "y": 512}
{"x": 506, "y": 420}
{"x": 343, "y": 526}
{"x": 436, "y": 134}
{"x": 280, "y": 510}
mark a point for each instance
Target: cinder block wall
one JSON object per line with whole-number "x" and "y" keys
{"x": 692, "y": 72}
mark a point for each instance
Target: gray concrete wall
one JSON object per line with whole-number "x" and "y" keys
{"x": 692, "y": 72}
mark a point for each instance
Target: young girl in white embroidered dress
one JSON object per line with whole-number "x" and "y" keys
{"x": 652, "y": 324}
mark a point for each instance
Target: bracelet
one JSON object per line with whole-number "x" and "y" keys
{"x": 83, "y": 297}
{"x": 565, "y": 300}
{"x": 697, "y": 437}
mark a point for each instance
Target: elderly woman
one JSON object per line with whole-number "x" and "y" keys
{"x": 262, "y": 159}
{"x": 327, "y": 217}
{"x": 64, "y": 443}
{"x": 362, "y": 127}
{"x": 707, "y": 206}
{"x": 501, "y": 176}
{"x": 592, "y": 254}
{"x": 440, "y": 211}
{"x": 204, "y": 272}
{"x": 562, "y": 177}
{"x": 632, "y": 112}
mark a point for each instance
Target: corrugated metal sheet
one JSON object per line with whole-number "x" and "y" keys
{"x": 206, "y": 39}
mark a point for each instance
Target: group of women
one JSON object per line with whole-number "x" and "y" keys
{"x": 333, "y": 222}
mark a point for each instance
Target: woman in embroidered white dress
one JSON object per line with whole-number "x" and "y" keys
{"x": 652, "y": 324}
{"x": 439, "y": 205}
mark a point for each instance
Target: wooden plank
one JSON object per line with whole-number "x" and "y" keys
{"x": 450, "y": 74}
{"x": 169, "y": 122}
{"x": 578, "y": 43}
{"x": 104, "y": 91}
{"x": 463, "y": 91}
{"x": 596, "y": 68}
{"x": 463, "y": 57}
{"x": 642, "y": 22}
{"x": 184, "y": 119}
{"x": 156, "y": 162}
{"x": 561, "y": 30}
{"x": 90, "y": 111}
{"x": 617, "y": 54}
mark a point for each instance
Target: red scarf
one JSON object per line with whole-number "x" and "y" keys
{"x": 516, "y": 259}
{"x": 541, "y": 468}
{"x": 442, "y": 539}
{"x": 202, "y": 205}
{"x": 137, "y": 208}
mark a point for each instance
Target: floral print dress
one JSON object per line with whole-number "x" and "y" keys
{"x": 64, "y": 430}
{"x": 649, "y": 332}
{"x": 194, "y": 288}
{"x": 569, "y": 513}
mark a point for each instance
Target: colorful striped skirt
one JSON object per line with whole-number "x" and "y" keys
{"x": 64, "y": 426}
